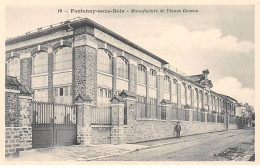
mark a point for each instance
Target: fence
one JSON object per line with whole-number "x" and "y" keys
{"x": 232, "y": 120}
{"x": 210, "y": 117}
{"x": 203, "y": 117}
{"x": 195, "y": 115}
{"x": 141, "y": 110}
{"x": 221, "y": 118}
{"x": 100, "y": 115}
{"x": 45, "y": 113}
{"x": 152, "y": 111}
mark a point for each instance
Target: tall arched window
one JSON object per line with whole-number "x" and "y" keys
{"x": 200, "y": 99}
{"x": 13, "y": 67}
{"x": 40, "y": 63}
{"x": 141, "y": 74}
{"x": 122, "y": 67}
{"x": 104, "y": 61}
{"x": 196, "y": 96}
{"x": 152, "y": 78}
{"x": 174, "y": 87}
{"x": 63, "y": 58}
{"x": 183, "y": 90}
{"x": 167, "y": 86}
{"x": 189, "y": 92}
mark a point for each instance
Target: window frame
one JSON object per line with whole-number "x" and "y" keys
{"x": 62, "y": 55}
{"x": 36, "y": 55}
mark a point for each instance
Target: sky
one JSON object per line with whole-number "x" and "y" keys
{"x": 218, "y": 38}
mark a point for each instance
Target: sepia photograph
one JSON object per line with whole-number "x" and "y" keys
{"x": 129, "y": 83}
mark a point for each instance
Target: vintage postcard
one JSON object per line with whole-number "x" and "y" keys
{"x": 109, "y": 83}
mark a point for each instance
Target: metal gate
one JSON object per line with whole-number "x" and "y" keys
{"x": 53, "y": 124}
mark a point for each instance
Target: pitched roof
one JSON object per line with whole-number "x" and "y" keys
{"x": 79, "y": 23}
{"x": 12, "y": 82}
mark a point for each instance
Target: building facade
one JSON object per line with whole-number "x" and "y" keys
{"x": 82, "y": 58}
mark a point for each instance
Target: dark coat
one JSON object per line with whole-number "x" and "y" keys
{"x": 177, "y": 128}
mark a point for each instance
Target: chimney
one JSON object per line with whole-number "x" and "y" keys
{"x": 205, "y": 73}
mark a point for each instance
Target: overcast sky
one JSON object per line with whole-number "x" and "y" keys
{"x": 219, "y": 38}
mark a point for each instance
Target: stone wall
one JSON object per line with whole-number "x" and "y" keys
{"x": 101, "y": 135}
{"x": 145, "y": 130}
{"x": 12, "y": 115}
{"x": 18, "y": 116}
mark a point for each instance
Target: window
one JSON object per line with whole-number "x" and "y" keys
{"x": 196, "y": 96}
{"x": 122, "y": 67}
{"x": 41, "y": 95}
{"x": 175, "y": 87}
{"x": 167, "y": 86}
{"x": 13, "y": 67}
{"x": 207, "y": 98}
{"x": 141, "y": 74}
{"x": 40, "y": 63}
{"x": 183, "y": 91}
{"x": 153, "y": 81}
{"x": 189, "y": 93}
{"x": 63, "y": 58}
{"x": 104, "y": 96}
{"x": 104, "y": 61}
{"x": 63, "y": 94}
{"x": 200, "y": 99}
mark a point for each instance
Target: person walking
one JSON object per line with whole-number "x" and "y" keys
{"x": 178, "y": 129}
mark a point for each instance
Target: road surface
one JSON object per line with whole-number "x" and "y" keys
{"x": 194, "y": 150}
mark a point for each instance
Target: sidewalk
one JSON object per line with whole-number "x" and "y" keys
{"x": 94, "y": 152}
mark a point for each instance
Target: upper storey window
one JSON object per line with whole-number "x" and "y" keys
{"x": 175, "y": 87}
{"x": 104, "y": 61}
{"x": 13, "y": 67}
{"x": 40, "y": 63}
{"x": 183, "y": 90}
{"x": 122, "y": 67}
{"x": 153, "y": 78}
{"x": 167, "y": 86}
{"x": 63, "y": 59}
{"x": 141, "y": 76}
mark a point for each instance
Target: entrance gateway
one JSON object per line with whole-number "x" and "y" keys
{"x": 53, "y": 124}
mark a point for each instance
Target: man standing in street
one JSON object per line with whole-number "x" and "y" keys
{"x": 178, "y": 129}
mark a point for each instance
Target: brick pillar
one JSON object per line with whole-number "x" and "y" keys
{"x": 171, "y": 83}
{"x": 160, "y": 90}
{"x": 216, "y": 118}
{"x": 26, "y": 71}
{"x": 204, "y": 98}
{"x": 84, "y": 130}
{"x": 85, "y": 66}
{"x": 114, "y": 72}
{"x": 179, "y": 96}
{"x": 206, "y": 117}
{"x": 25, "y": 108}
{"x": 190, "y": 114}
{"x": 132, "y": 76}
{"x": 117, "y": 120}
{"x": 147, "y": 90}
{"x": 160, "y": 84}
{"x": 50, "y": 76}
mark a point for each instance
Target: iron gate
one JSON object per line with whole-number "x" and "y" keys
{"x": 53, "y": 124}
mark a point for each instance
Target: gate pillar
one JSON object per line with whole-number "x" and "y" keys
{"x": 84, "y": 130}
{"x": 117, "y": 120}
